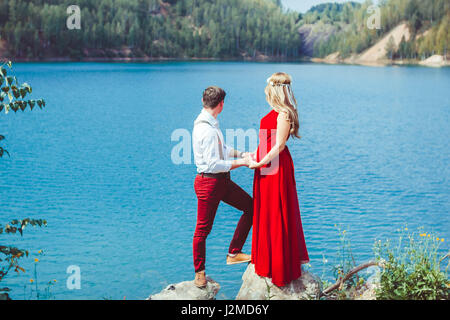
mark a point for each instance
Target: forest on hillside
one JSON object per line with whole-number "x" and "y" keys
{"x": 222, "y": 29}
{"x": 152, "y": 28}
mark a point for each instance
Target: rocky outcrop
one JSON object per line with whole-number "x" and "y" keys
{"x": 333, "y": 58}
{"x": 188, "y": 291}
{"x": 435, "y": 61}
{"x": 255, "y": 287}
{"x": 315, "y": 33}
{"x": 368, "y": 290}
{"x": 371, "y": 285}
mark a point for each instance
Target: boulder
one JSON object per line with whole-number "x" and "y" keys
{"x": 372, "y": 284}
{"x": 188, "y": 291}
{"x": 254, "y": 287}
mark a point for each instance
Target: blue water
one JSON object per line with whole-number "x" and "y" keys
{"x": 96, "y": 165}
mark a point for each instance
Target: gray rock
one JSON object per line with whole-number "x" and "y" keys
{"x": 315, "y": 33}
{"x": 254, "y": 287}
{"x": 371, "y": 285}
{"x": 188, "y": 291}
{"x": 368, "y": 292}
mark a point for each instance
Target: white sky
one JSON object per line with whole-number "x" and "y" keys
{"x": 305, "y": 5}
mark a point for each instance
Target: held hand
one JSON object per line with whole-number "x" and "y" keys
{"x": 244, "y": 155}
{"x": 254, "y": 164}
{"x": 246, "y": 160}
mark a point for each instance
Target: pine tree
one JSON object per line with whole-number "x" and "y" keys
{"x": 390, "y": 48}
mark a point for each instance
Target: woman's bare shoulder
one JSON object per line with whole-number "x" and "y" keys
{"x": 283, "y": 116}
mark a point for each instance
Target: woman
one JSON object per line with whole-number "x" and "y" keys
{"x": 278, "y": 245}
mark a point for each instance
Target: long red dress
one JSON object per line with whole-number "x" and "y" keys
{"x": 278, "y": 243}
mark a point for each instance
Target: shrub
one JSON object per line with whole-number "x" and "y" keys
{"x": 413, "y": 268}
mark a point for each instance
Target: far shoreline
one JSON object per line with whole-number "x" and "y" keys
{"x": 381, "y": 63}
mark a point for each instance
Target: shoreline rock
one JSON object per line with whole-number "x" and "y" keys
{"x": 254, "y": 287}
{"x": 188, "y": 291}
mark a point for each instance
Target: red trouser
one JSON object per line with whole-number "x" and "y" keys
{"x": 210, "y": 191}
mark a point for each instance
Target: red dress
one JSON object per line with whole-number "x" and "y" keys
{"x": 278, "y": 244}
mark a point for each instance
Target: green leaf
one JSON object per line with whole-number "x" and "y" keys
{"x": 27, "y": 87}
{"x": 2, "y": 152}
{"x": 16, "y": 94}
{"x": 22, "y": 105}
{"x": 10, "y": 80}
{"x": 3, "y": 72}
{"x": 14, "y": 106}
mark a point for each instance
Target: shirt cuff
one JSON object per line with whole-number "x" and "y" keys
{"x": 228, "y": 165}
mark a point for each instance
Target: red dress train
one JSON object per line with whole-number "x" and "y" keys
{"x": 278, "y": 243}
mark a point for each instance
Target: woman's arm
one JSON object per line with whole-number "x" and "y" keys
{"x": 283, "y": 129}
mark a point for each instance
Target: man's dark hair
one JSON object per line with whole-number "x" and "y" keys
{"x": 212, "y": 96}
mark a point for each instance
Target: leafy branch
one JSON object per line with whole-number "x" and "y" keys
{"x": 9, "y": 255}
{"x": 13, "y": 94}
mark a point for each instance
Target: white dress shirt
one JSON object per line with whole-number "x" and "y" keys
{"x": 205, "y": 141}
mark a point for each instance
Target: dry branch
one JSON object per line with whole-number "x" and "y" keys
{"x": 349, "y": 275}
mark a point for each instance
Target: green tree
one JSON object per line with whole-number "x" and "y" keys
{"x": 390, "y": 48}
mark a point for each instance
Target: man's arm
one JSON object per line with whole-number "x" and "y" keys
{"x": 243, "y": 162}
{"x": 232, "y": 153}
{"x": 212, "y": 156}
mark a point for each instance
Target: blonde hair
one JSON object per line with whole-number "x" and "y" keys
{"x": 281, "y": 98}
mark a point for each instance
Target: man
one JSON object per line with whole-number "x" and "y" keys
{"x": 214, "y": 161}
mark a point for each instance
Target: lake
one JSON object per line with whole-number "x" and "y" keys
{"x": 96, "y": 164}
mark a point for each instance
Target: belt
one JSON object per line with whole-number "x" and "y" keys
{"x": 222, "y": 175}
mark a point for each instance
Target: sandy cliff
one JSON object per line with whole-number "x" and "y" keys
{"x": 376, "y": 55}
{"x": 378, "y": 51}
